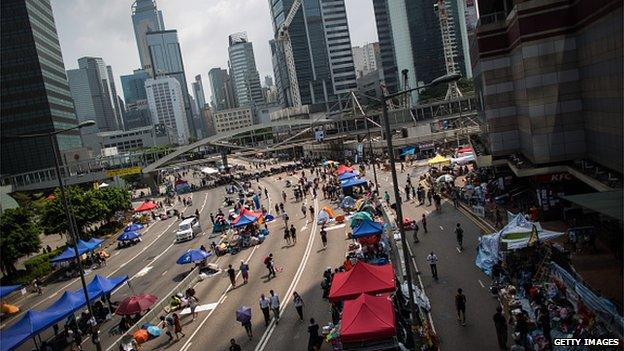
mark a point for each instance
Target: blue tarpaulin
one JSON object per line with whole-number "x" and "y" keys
{"x": 7, "y": 289}
{"x": 408, "y": 150}
{"x": 128, "y": 236}
{"x": 367, "y": 228}
{"x": 351, "y": 182}
{"x": 191, "y": 256}
{"x": 34, "y": 322}
{"x": 244, "y": 220}
{"x": 133, "y": 227}
{"x": 83, "y": 247}
{"x": 347, "y": 175}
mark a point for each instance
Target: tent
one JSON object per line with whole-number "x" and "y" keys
{"x": 363, "y": 278}
{"x": 463, "y": 159}
{"x": 367, "y": 318}
{"x": 515, "y": 235}
{"x": 193, "y": 256}
{"x": 145, "y": 206}
{"x": 243, "y": 220}
{"x": 347, "y": 175}
{"x": 127, "y": 236}
{"x": 322, "y": 217}
{"x": 464, "y": 150}
{"x": 209, "y": 170}
{"x": 367, "y": 228}
{"x": 247, "y": 212}
{"x": 368, "y": 208}
{"x": 133, "y": 227}
{"x": 343, "y": 169}
{"x": 360, "y": 217}
{"x": 329, "y": 211}
{"x": 408, "y": 150}
{"x": 439, "y": 160}
{"x": 7, "y": 289}
{"x": 83, "y": 247}
{"x": 347, "y": 202}
{"x": 351, "y": 182}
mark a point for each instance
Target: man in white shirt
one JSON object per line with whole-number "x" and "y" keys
{"x": 275, "y": 305}
{"x": 432, "y": 259}
{"x": 264, "y": 306}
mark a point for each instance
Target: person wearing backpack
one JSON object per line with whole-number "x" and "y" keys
{"x": 415, "y": 226}
{"x": 459, "y": 235}
{"x": 268, "y": 261}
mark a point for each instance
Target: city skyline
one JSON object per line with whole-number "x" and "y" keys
{"x": 117, "y": 45}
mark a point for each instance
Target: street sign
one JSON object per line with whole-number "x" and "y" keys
{"x": 123, "y": 171}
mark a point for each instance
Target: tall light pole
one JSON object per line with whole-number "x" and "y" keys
{"x": 370, "y": 141}
{"x": 66, "y": 206}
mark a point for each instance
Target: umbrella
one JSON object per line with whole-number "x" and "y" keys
{"x": 133, "y": 227}
{"x": 153, "y": 330}
{"x": 191, "y": 256}
{"x": 243, "y": 314}
{"x": 128, "y": 236}
{"x": 445, "y": 178}
{"x": 269, "y": 217}
{"x": 136, "y": 304}
{"x": 141, "y": 336}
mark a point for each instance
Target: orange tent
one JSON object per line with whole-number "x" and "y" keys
{"x": 329, "y": 211}
{"x": 141, "y": 336}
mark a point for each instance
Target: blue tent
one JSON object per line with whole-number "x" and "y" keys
{"x": 347, "y": 175}
{"x": 347, "y": 202}
{"x": 367, "y": 228}
{"x": 7, "y": 289}
{"x": 191, "y": 256}
{"x": 133, "y": 227}
{"x": 83, "y": 247}
{"x": 244, "y": 220}
{"x": 128, "y": 236}
{"x": 104, "y": 285}
{"x": 351, "y": 182}
{"x": 408, "y": 150}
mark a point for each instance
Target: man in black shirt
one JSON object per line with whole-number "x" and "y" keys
{"x": 500, "y": 323}
{"x": 234, "y": 346}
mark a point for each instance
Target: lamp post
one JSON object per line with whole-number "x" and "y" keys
{"x": 66, "y": 206}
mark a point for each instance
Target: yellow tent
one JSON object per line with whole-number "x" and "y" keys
{"x": 439, "y": 159}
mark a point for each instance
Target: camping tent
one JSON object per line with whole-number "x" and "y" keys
{"x": 83, "y": 247}
{"x": 347, "y": 175}
{"x": 329, "y": 211}
{"x": 363, "y": 278}
{"x": 347, "y": 202}
{"x": 145, "y": 206}
{"x": 439, "y": 160}
{"x": 367, "y": 318}
{"x": 360, "y": 217}
{"x": 367, "y": 228}
{"x": 515, "y": 235}
{"x": 322, "y": 217}
{"x": 343, "y": 169}
{"x": 351, "y": 182}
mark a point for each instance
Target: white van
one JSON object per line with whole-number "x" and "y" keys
{"x": 188, "y": 229}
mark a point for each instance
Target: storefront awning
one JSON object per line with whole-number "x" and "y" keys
{"x": 608, "y": 203}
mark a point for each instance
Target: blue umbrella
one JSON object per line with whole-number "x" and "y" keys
{"x": 133, "y": 227}
{"x": 153, "y": 331}
{"x": 128, "y": 236}
{"x": 243, "y": 314}
{"x": 192, "y": 256}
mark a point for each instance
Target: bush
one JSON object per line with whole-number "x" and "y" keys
{"x": 37, "y": 267}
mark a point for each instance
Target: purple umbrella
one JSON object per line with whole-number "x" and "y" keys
{"x": 243, "y": 314}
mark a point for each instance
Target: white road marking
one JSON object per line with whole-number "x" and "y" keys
{"x": 480, "y": 282}
{"x": 116, "y": 253}
{"x": 335, "y": 227}
{"x": 187, "y": 347}
{"x": 427, "y": 212}
{"x": 441, "y": 228}
{"x": 200, "y": 308}
{"x": 143, "y": 272}
{"x": 163, "y": 273}
{"x": 458, "y": 250}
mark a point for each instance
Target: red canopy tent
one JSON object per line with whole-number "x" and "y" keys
{"x": 146, "y": 206}
{"x": 245, "y": 211}
{"x": 343, "y": 169}
{"x": 367, "y": 318}
{"x": 364, "y": 278}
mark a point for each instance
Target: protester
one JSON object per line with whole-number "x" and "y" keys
{"x": 270, "y": 264}
{"x": 459, "y": 235}
{"x": 324, "y": 236}
{"x": 423, "y": 221}
{"x": 460, "y": 305}
{"x": 275, "y": 305}
{"x": 293, "y": 234}
{"x": 415, "y": 226}
{"x": 244, "y": 269}
{"x": 287, "y": 236}
{"x": 265, "y": 308}
{"x": 177, "y": 326}
{"x": 432, "y": 259}
{"x": 247, "y": 325}
{"x": 193, "y": 302}
{"x": 298, "y": 303}
{"x": 500, "y": 323}
{"x": 234, "y": 346}
{"x": 232, "y": 274}
{"x": 314, "y": 342}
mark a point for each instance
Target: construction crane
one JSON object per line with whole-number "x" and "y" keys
{"x": 449, "y": 45}
{"x": 283, "y": 37}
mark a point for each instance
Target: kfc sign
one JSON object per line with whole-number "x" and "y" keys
{"x": 553, "y": 178}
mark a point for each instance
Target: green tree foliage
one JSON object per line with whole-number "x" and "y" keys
{"x": 20, "y": 237}
{"x": 115, "y": 199}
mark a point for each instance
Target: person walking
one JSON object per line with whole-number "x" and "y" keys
{"x": 423, "y": 221}
{"x": 275, "y": 305}
{"x": 177, "y": 326}
{"x": 168, "y": 325}
{"x": 460, "y": 306}
{"x": 265, "y": 308}
{"x": 429, "y": 196}
{"x": 311, "y": 210}
{"x": 247, "y": 325}
{"x": 192, "y": 302}
{"x": 304, "y": 210}
{"x": 500, "y": 323}
{"x": 232, "y": 274}
{"x": 314, "y": 341}
{"x": 432, "y": 259}
{"x": 244, "y": 269}
{"x": 234, "y": 346}
{"x": 387, "y": 197}
{"x": 415, "y": 226}
{"x": 459, "y": 235}
{"x": 277, "y": 209}
{"x": 286, "y": 218}
{"x": 324, "y": 236}
{"x": 287, "y": 236}
{"x": 293, "y": 234}
{"x": 298, "y": 302}
{"x": 270, "y": 264}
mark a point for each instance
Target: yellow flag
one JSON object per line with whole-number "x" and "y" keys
{"x": 533, "y": 239}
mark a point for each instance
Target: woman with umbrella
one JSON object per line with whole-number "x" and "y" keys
{"x": 243, "y": 315}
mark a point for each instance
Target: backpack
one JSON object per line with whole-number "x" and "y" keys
{"x": 169, "y": 320}
{"x": 267, "y": 261}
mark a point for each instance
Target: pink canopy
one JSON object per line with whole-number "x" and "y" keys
{"x": 362, "y": 278}
{"x": 343, "y": 169}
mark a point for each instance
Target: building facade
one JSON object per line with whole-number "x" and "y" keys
{"x": 133, "y": 86}
{"x": 389, "y": 72}
{"x": 365, "y": 58}
{"x": 166, "y": 103}
{"x": 198, "y": 92}
{"x": 131, "y": 140}
{"x": 137, "y": 115}
{"x": 206, "y": 114}
{"x": 232, "y": 119}
{"x": 35, "y": 94}
{"x": 145, "y": 18}
{"x": 243, "y": 72}
{"x": 222, "y": 97}
{"x": 552, "y": 93}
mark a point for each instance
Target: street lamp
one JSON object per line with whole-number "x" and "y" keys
{"x": 66, "y": 206}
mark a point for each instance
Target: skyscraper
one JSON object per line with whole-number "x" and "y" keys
{"x": 365, "y": 58}
{"x": 133, "y": 86}
{"x": 198, "y": 92}
{"x": 113, "y": 93}
{"x": 335, "y": 25}
{"x": 245, "y": 77}
{"x": 222, "y": 97}
{"x": 35, "y": 95}
{"x": 166, "y": 59}
{"x": 389, "y": 73}
{"x": 166, "y": 104}
{"x": 145, "y": 18}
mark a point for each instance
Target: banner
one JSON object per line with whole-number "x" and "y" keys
{"x": 123, "y": 171}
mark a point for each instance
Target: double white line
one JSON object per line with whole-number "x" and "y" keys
{"x": 267, "y": 333}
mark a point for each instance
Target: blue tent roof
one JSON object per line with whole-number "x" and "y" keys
{"x": 347, "y": 175}
{"x": 7, "y": 289}
{"x": 128, "y": 236}
{"x": 83, "y": 247}
{"x": 133, "y": 227}
{"x": 367, "y": 228}
{"x": 351, "y": 182}
{"x": 244, "y": 220}
{"x": 191, "y": 256}
{"x": 104, "y": 285}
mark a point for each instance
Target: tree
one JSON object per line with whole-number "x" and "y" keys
{"x": 20, "y": 237}
{"x": 115, "y": 199}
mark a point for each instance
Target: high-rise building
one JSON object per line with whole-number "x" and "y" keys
{"x": 319, "y": 35}
{"x": 145, "y": 18}
{"x": 206, "y": 114}
{"x": 137, "y": 115}
{"x": 166, "y": 58}
{"x": 232, "y": 119}
{"x": 133, "y": 86}
{"x": 365, "y": 58}
{"x": 198, "y": 92}
{"x": 245, "y": 77}
{"x": 114, "y": 96}
{"x": 35, "y": 95}
{"x": 92, "y": 92}
{"x": 222, "y": 97}
{"x": 388, "y": 72}
{"x": 166, "y": 103}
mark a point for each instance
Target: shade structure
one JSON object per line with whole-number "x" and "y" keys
{"x": 247, "y": 212}
{"x": 343, "y": 169}
{"x": 367, "y": 318}
{"x": 105, "y": 285}
{"x": 145, "y": 206}
{"x": 367, "y": 228}
{"x": 209, "y": 170}
{"x": 360, "y": 217}
{"x": 243, "y": 314}
{"x": 128, "y": 236}
{"x": 363, "y": 278}
{"x": 439, "y": 160}
{"x": 351, "y": 182}
{"x": 193, "y": 256}
{"x": 136, "y": 304}
{"x": 83, "y": 247}
{"x": 347, "y": 175}
{"x": 322, "y": 217}
{"x": 7, "y": 289}
{"x": 243, "y": 220}
{"x": 133, "y": 227}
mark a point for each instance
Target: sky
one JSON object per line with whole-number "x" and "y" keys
{"x": 104, "y": 29}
